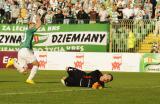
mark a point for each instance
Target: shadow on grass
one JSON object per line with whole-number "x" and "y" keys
{"x": 8, "y": 81}
{"x": 107, "y": 87}
{"x": 46, "y": 82}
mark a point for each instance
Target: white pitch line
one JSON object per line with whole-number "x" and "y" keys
{"x": 57, "y": 91}
{"x": 140, "y": 87}
{"x": 42, "y": 92}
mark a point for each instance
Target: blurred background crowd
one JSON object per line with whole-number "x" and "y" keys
{"x": 77, "y": 11}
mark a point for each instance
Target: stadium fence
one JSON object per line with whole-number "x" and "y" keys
{"x": 143, "y": 39}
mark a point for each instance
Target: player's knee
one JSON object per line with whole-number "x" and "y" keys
{"x": 69, "y": 68}
{"x": 66, "y": 68}
{"x": 24, "y": 71}
{"x": 35, "y": 63}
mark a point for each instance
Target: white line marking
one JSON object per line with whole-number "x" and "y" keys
{"x": 42, "y": 92}
{"x": 140, "y": 87}
{"x": 57, "y": 91}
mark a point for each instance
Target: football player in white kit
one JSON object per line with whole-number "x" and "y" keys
{"x": 25, "y": 54}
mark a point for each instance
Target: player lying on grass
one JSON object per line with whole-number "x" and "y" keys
{"x": 25, "y": 54}
{"x": 94, "y": 79}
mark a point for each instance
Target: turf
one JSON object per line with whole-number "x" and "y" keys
{"x": 126, "y": 88}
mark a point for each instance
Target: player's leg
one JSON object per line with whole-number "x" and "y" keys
{"x": 32, "y": 59}
{"x": 32, "y": 72}
{"x": 10, "y": 62}
{"x": 63, "y": 81}
{"x": 19, "y": 64}
{"x": 74, "y": 72}
{"x": 73, "y": 78}
{"x": 70, "y": 81}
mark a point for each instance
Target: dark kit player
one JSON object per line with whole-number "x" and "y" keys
{"x": 94, "y": 79}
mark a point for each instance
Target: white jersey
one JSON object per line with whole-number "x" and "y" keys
{"x": 103, "y": 15}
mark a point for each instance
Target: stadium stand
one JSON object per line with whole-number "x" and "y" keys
{"x": 129, "y": 19}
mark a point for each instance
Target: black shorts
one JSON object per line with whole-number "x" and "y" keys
{"x": 74, "y": 76}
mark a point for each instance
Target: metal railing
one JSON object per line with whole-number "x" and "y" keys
{"x": 143, "y": 31}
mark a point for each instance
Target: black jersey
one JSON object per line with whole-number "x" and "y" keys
{"x": 90, "y": 78}
{"x": 80, "y": 78}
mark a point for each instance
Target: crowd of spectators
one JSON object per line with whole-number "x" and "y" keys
{"x": 155, "y": 47}
{"x": 77, "y": 11}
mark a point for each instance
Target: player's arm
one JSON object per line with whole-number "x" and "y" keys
{"x": 38, "y": 21}
{"x": 97, "y": 85}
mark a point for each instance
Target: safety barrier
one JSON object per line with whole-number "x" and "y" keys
{"x": 133, "y": 35}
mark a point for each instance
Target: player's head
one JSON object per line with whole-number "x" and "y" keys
{"x": 106, "y": 78}
{"x": 31, "y": 25}
{"x": 32, "y": 22}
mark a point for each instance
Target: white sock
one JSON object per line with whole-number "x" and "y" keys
{"x": 33, "y": 72}
{"x": 18, "y": 67}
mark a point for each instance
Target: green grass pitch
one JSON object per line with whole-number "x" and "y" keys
{"x": 126, "y": 88}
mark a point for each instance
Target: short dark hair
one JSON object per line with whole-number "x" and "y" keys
{"x": 111, "y": 76}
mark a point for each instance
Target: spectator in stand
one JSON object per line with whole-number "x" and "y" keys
{"x": 86, "y": 5}
{"x": 29, "y": 5}
{"x": 79, "y": 9}
{"x": 146, "y": 15}
{"x": 140, "y": 14}
{"x": 14, "y": 13}
{"x": 45, "y": 3}
{"x": 7, "y": 14}
{"x": 41, "y": 11}
{"x": 154, "y": 2}
{"x": 74, "y": 13}
{"x": 61, "y": 4}
{"x": 93, "y": 16}
{"x": 119, "y": 10}
{"x": 91, "y": 4}
{"x": 1, "y": 3}
{"x": 66, "y": 14}
{"x": 68, "y": 4}
{"x": 159, "y": 47}
{"x": 121, "y": 3}
{"x": 128, "y": 12}
{"x": 85, "y": 17}
{"x": 148, "y": 8}
{"x": 80, "y": 16}
{"x": 78, "y": 4}
{"x": 157, "y": 12}
{"x": 53, "y": 3}
{"x": 155, "y": 48}
{"x": 98, "y": 6}
{"x": 139, "y": 22}
{"x": 24, "y": 14}
{"x": 103, "y": 15}
{"x": 19, "y": 20}
{"x": 71, "y": 17}
{"x": 136, "y": 8}
{"x": 49, "y": 17}
{"x": 131, "y": 41}
{"x": 157, "y": 17}
{"x": 114, "y": 15}
{"x": 59, "y": 17}
{"x": 2, "y": 12}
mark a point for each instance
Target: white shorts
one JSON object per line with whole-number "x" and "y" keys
{"x": 25, "y": 56}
